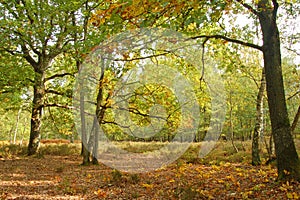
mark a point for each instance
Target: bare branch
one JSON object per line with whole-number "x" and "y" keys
{"x": 292, "y": 96}
{"x": 294, "y": 51}
{"x": 247, "y": 44}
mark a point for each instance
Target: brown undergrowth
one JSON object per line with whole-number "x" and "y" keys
{"x": 57, "y": 174}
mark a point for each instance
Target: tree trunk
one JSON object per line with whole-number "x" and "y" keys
{"x": 17, "y": 125}
{"x": 231, "y": 124}
{"x": 23, "y": 132}
{"x": 37, "y": 111}
{"x": 100, "y": 112}
{"x": 84, "y": 144}
{"x": 296, "y": 119}
{"x": 96, "y": 143}
{"x": 259, "y": 121}
{"x": 91, "y": 140}
{"x": 269, "y": 147}
{"x": 288, "y": 163}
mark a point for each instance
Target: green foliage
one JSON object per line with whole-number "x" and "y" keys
{"x": 50, "y": 28}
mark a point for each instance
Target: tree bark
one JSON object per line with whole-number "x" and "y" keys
{"x": 84, "y": 142}
{"x": 100, "y": 112}
{"x": 288, "y": 163}
{"x": 37, "y": 111}
{"x": 17, "y": 125}
{"x": 231, "y": 124}
{"x": 96, "y": 143}
{"x": 296, "y": 119}
{"x": 259, "y": 121}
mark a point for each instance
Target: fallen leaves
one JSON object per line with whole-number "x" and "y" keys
{"x": 100, "y": 193}
{"x": 40, "y": 179}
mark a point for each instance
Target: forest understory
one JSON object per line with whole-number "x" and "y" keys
{"x": 56, "y": 173}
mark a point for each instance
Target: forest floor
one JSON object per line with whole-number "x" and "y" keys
{"x": 56, "y": 173}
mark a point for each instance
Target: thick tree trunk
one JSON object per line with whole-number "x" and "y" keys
{"x": 37, "y": 111}
{"x": 288, "y": 163}
{"x": 259, "y": 121}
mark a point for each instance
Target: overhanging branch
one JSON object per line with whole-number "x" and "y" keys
{"x": 222, "y": 37}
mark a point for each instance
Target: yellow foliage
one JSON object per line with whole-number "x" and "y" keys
{"x": 148, "y": 186}
{"x": 293, "y": 195}
{"x": 171, "y": 181}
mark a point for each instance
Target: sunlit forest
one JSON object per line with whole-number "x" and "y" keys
{"x": 112, "y": 99}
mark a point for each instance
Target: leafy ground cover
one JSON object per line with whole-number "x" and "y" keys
{"x": 56, "y": 173}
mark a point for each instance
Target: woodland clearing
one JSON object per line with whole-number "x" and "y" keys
{"x": 56, "y": 173}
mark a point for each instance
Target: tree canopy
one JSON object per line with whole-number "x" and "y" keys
{"x": 45, "y": 43}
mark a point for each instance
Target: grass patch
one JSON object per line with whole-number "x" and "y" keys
{"x": 222, "y": 151}
{"x": 10, "y": 151}
{"x": 60, "y": 149}
{"x": 140, "y": 147}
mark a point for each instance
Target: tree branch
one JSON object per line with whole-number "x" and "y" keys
{"x": 140, "y": 58}
{"x": 29, "y": 59}
{"x": 276, "y": 6}
{"x": 27, "y": 13}
{"x": 293, "y": 50}
{"x": 247, "y": 6}
{"x": 115, "y": 123}
{"x": 58, "y": 75}
{"x": 292, "y": 96}
{"x": 13, "y": 53}
{"x": 247, "y": 44}
{"x": 58, "y": 93}
{"x": 58, "y": 105}
{"x": 5, "y": 91}
{"x": 21, "y": 36}
{"x": 138, "y": 112}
